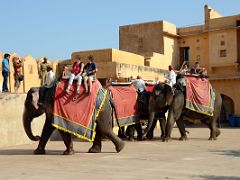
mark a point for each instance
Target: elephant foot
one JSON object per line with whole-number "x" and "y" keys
{"x": 211, "y": 138}
{"x": 69, "y": 152}
{"x": 218, "y": 132}
{"x": 39, "y": 151}
{"x": 131, "y": 139}
{"x": 140, "y": 138}
{"x": 122, "y": 136}
{"x": 162, "y": 136}
{"x": 120, "y": 146}
{"x": 166, "y": 139}
{"x": 94, "y": 150}
{"x": 149, "y": 136}
{"x": 183, "y": 138}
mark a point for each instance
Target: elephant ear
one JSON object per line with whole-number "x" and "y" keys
{"x": 33, "y": 97}
{"x": 168, "y": 94}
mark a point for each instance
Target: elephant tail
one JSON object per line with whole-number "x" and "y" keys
{"x": 115, "y": 113}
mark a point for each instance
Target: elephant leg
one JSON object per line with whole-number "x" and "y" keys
{"x": 119, "y": 144}
{"x": 67, "y": 139}
{"x": 105, "y": 127}
{"x": 162, "y": 122}
{"x": 214, "y": 131}
{"x": 130, "y": 132}
{"x": 121, "y": 133}
{"x": 169, "y": 126}
{"x": 46, "y": 133}
{"x": 181, "y": 128}
{"x": 97, "y": 143}
{"x": 150, "y": 133}
{"x": 138, "y": 128}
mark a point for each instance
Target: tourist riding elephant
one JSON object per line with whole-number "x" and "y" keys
{"x": 34, "y": 109}
{"x": 163, "y": 95}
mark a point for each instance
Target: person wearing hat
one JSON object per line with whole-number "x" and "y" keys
{"x": 43, "y": 70}
{"x": 89, "y": 73}
{"x": 171, "y": 76}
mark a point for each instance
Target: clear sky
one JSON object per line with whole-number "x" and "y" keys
{"x": 56, "y": 28}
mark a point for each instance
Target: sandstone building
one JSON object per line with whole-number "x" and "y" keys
{"x": 148, "y": 48}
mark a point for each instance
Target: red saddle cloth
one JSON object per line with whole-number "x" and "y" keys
{"x": 125, "y": 98}
{"x": 199, "y": 95}
{"x": 150, "y": 87}
{"x": 75, "y": 113}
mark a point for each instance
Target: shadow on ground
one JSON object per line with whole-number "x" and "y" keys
{"x": 219, "y": 177}
{"x": 27, "y": 152}
{"x": 12, "y": 152}
{"x": 232, "y": 153}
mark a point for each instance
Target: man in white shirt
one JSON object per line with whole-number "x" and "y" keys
{"x": 139, "y": 84}
{"x": 171, "y": 76}
{"x": 50, "y": 82}
{"x": 51, "y": 79}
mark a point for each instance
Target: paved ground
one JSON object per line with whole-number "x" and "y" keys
{"x": 197, "y": 158}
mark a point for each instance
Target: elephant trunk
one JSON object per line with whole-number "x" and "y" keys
{"x": 150, "y": 122}
{"x": 27, "y": 126}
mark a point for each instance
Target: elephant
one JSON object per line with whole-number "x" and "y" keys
{"x": 163, "y": 95}
{"x": 147, "y": 106}
{"x": 33, "y": 109}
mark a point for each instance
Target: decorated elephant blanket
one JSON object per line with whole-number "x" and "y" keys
{"x": 200, "y": 96}
{"x": 125, "y": 98}
{"x": 77, "y": 113}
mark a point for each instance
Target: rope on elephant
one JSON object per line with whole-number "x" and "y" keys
{"x": 77, "y": 113}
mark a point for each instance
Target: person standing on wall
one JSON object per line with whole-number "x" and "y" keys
{"x": 43, "y": 71}
{"x": 5, "y": 72}
{"x": 18, "y": 74}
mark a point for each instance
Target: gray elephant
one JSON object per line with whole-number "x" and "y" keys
{"x": 34, "y": 109}
{"x": 146, "y": 107}
{"x": 163, "y": 95}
